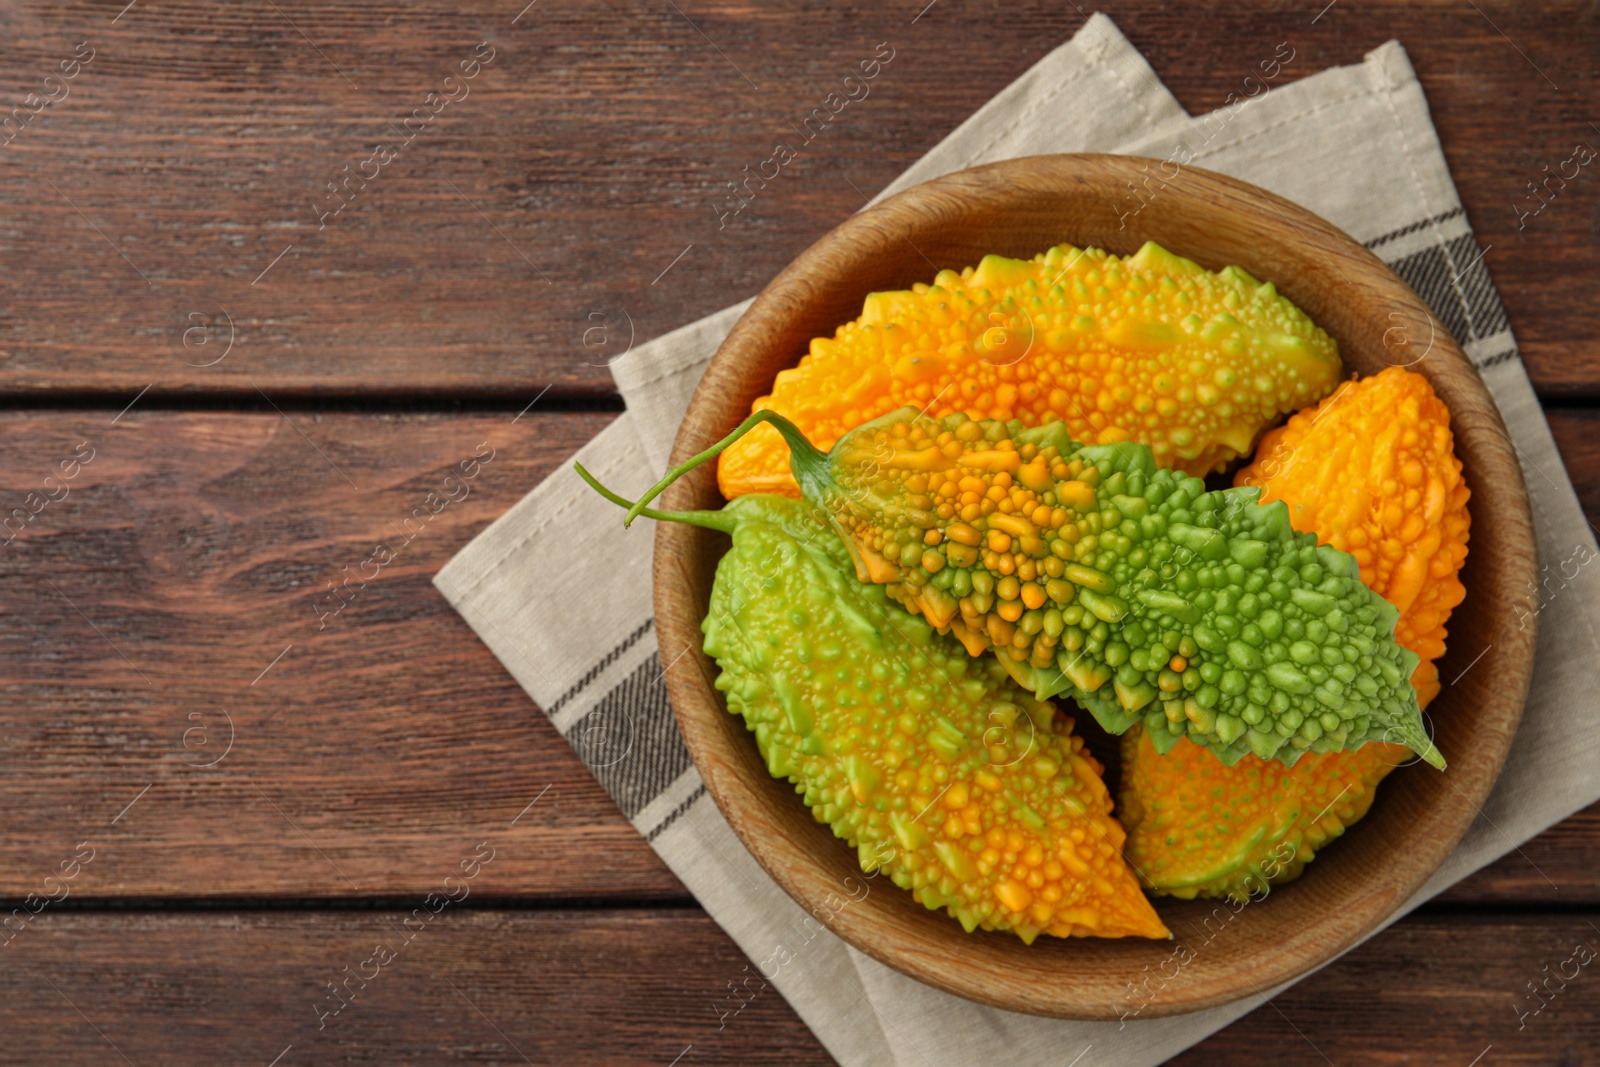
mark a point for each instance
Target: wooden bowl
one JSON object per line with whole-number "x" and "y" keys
{"x": 1020, "y": 208}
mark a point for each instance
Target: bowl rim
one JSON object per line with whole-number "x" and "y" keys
{"x": 977, "y": 966}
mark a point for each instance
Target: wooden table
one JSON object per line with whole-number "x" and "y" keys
{"x": 249, "y": 792}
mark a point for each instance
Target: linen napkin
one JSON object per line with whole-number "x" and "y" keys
{"x": 1353, "y": 144}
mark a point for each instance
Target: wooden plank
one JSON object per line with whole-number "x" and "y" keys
{"x": 1561, "y": 864}
{"x": 177, "y": 588}
{"x": 468, "y": 987}
{"x": 641, "y": 987}
{"x": 1576, "y": 437}
{"x": 174, "y": 200}
{"x": 1557, "y": 867}
{"x": 1440, "y": 989}
{"x": 198, "y": 545}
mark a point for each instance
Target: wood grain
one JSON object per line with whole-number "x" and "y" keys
{"x": 469, "y": 987}
{"x": 198, "y": 144}
{"x": 1008, "y": 208}
{"x": 1435, "y": 990}
{"x": 151, "y": 601}
{"x": 637, "y": 988}
{"x": 212, "y": 532}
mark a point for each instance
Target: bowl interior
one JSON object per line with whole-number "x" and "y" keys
{"x": 1223, "y": 952}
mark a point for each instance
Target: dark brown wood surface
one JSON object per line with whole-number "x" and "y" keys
{"x": 375, "y": 754}
{"x": 198, "y": 145}
{"x": 492, "y": 986}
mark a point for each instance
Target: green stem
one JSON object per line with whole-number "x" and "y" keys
{"x": 711, "y": 520}
{"x": 1416, "y": 738}
{"x": 1430, "y": 753}
{"x": 810, "y": 465}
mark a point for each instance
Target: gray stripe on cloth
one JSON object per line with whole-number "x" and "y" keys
{"x": 607, "y": 660}
{"x": 1451, "y": 278}
{"x": 676, "y": 813}
{"x": 1491, "y": 351}
{"x": 1403, "y": 231}
{"x": 671, "y": 804}
{"x": 630, "y": 740}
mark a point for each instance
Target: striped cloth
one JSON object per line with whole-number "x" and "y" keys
{"x": 567, "y": 609}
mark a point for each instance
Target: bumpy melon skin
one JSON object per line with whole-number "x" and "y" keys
{"x": 1199, "y": 828}
{"x": 1373, "y": 470}
{"x": 1202, "y": 615}
{"x": 935, "y": 766}
{"x": 1150, "y": 347}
